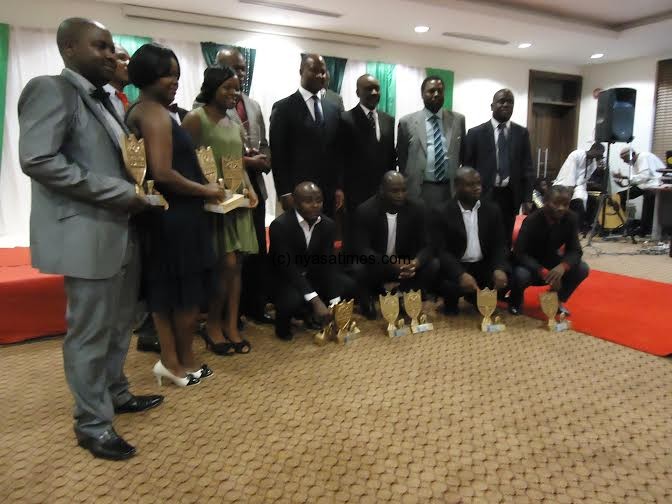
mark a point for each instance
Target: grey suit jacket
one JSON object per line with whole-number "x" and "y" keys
{"x": 257, "y": 125}
{"x": 335, "y": 99}
{"x": 79, "y": 223}
{"x": 412, "y": 147}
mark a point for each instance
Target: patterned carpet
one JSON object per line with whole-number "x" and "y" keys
{"x": 455, "y": 416}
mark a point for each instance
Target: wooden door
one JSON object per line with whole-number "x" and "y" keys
{"x": 551, "y": 136}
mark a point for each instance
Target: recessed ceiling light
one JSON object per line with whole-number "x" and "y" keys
{"x": 524, "y": 45}
{"x": 421, "y": 29}
{"x": 597, "y": 55}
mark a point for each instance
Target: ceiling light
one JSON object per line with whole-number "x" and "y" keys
{"x": 524, "y": 45}
{"x": 421, "y": 29}
{"x": 477, "y": 38}
{"x": 597, "y": 55}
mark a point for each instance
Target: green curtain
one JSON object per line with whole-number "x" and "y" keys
{"x": 131, "y": 43}
{"x": 448, "y": 77}
{"x": 210, "y": 50}
{"x": 4, "y": 58}
{"x": 384, "y": 72}
{"x": 336, "y": 69}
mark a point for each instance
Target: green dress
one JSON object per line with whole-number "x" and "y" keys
{"x": 233, "y": 231}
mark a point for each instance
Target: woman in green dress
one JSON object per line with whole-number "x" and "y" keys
{"x": 233, "y": 232}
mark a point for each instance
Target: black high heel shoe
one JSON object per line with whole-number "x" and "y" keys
{"x": 224, "y": 348}
{"x": 241, "y": 347}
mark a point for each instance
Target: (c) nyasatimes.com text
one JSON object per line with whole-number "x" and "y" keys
{"x": 336, "y": 259}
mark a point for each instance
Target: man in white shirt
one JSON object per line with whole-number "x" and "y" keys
{"x": 304, "y": 262}
{"x": 469, "y": 240}
{"x": 576, "y": 172}
{"x": 119, "y": 81}
{"x": 642, "y": 173}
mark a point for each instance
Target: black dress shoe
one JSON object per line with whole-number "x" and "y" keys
{"x": 139, "y": 403}
{"x": 149, "y": 343}
{"x": 284, "y": 335}
{"x": 263, "y": 318}
{"x": 562, "y": 310}
{"x": 368, "y": 308}
{"x": 109, "y": 446}
{"x": 451, "y": 310}
{"x": 514, "y": 310}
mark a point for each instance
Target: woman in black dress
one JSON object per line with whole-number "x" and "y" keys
{"x": 179, "y": 260}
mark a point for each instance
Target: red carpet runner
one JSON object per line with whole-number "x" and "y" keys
{"x": 628, "y": 311}
{"x": 625, "y": 310}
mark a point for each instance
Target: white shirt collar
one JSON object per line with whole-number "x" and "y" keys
{"x": 464, "y": 210}
{"x": 366, "y": 110}
{"x": 307, "y": 95}
{"x": 439, "y": 114}
{"x": 301, "y": 220}
{"x": 496, "y": 123}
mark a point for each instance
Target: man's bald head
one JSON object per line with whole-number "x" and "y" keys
{"x": 393, "y": 191}
{"x": 464, "y": 172}
{"x": 467, "y": 185}
{"x": 308, "y": 200}
{"x": 233, "y": 58}
{"x": 502, "y": 105}
{"x": 313, "y": 72}
{"x": 87, "y": 48}
{"x": 368, "y": 91}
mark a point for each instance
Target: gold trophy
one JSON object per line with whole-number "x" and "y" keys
{"x": 206, "y": 161}
{"x": 135, "y": 161}
{"x": 345, "y": 328}
{"x": 322, "y": 338}
{"x": 486, "y": 300}
{"x": 389, "y": 305}
{"x": 413, "y": 307}
{"x": 549, "y": 305}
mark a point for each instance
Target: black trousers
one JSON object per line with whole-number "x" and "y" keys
{"x": 524, "y": 277}
{"x": 370, "y": 278}
{"x": 290, "y": 302}
{"x": 647, "y": 206}
{"x": 503, "y": 196}
{"x": 449, "y": 287}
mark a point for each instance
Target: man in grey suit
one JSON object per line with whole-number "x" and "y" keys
{"x": 429, "y": 146}
{"x": 69, "y": 146}
{"x": 255, "y": 291}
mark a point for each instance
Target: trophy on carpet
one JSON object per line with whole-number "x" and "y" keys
{"x": 486, "y": 300}
{"x": 206, "y": 160}
{"x": 549, "y": 305}
{"x": 413, "y": 307}
{"x": 389, "y": 306}
{"x": 342, "y": 329}
{"x": 135, "y": 161}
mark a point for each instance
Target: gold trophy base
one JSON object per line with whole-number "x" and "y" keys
{"x": 420, "y": 328}
{"x": 345, "y": 337}
{"x": 397, "y": 331}
{"x": 229, "y": 204}
{"x": 157, "y": 200}
{"x": 487, "y": 326}
{"x": 559, "y": 326}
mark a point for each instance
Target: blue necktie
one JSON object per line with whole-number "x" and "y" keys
{"x": 503, "y": 154}
{"x": 439, "y": 151}
{"x": 318, "y": 113}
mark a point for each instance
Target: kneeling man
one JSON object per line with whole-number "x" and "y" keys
{"x": 304, "y": 261}
{"x": 391, "y": 231}
{"x": 469, "y": 240}
{"x": 548, "y": 251}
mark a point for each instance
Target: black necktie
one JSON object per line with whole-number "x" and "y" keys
{"x": 318, "y": 113}
{"x": 100, "y": 94}
{"x": 503, "y": 156}
{"x": 372, "y": 121}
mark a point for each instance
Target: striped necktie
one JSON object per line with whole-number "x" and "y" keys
{"x": 439, "y": 151}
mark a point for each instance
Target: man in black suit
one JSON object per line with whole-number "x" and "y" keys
{"x": 391, "y": 230}
{"x": 305, "y": 139}
{"x": 302, "y": 254}
{"x": 500, "y": 151}
{"x": 537, "y": 260}
{"x": 368, "y": 142}
{"x": 468, "y": 238}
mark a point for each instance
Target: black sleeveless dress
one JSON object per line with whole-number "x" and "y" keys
{"x": 178, "y": 255}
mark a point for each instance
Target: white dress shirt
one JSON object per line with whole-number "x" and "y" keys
{"x": 310, "y": 103}
{"x": 644, "y": 173}
{"x": 308, "y": 233}
{"x": 507, "y": 132}
{"x": 90, "y": 88}
{"x": 574, "y": 173}
{"x": 375, "y": 119}
{"x": 390, "y": 250}
{"x": 116, "y": 102}
{"x": 472, "y": 253}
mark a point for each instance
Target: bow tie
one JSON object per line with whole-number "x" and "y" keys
{"x": 100, "y": 94}
{"x": 173, "y": 108}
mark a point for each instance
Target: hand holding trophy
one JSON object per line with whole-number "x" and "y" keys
{"x": 206, "y": 161}
{"x": 135, "y": 161}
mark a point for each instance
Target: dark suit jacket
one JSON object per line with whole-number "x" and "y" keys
{"x": 371, "y": 231}
{"x": 289, "y": 243}
{"x": 481, "y": 154}
{"x": 366, "y": 159}
{"x": 304, "y": 151}
{"x": 540, "y": 240}
{"x": 449, "y": 237}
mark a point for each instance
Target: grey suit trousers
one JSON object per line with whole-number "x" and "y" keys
{"x": 100, "y": 315}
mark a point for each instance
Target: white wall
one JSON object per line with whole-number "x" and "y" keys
{"x": 477, "y": 77}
